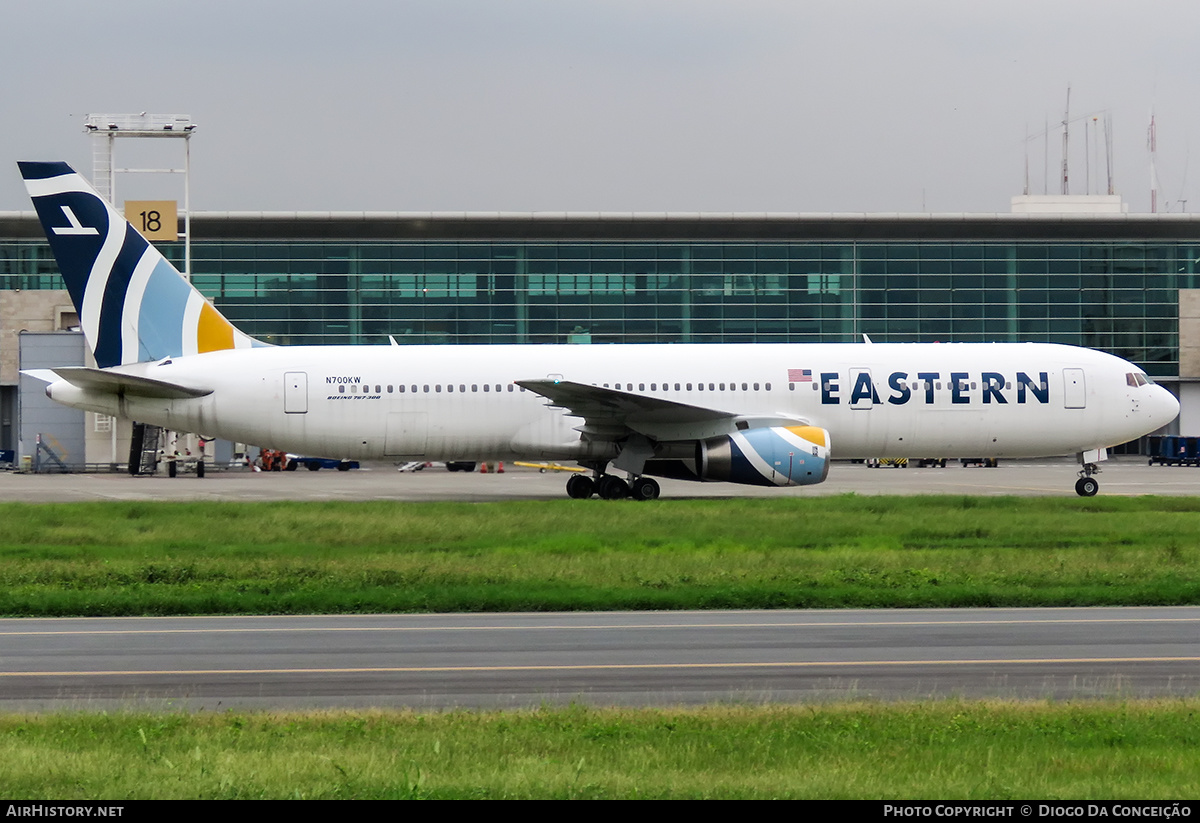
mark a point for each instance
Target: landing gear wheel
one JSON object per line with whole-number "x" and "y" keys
{"x": 644, "y": 488}
{"x": 1086, "y": 487}
{"x": 612, "y": 488}
{"x": 580, "y": 487}
{"x": 200, "y": 470}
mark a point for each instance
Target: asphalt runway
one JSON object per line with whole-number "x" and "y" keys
{"x": 655, "y": 658}
{"x": 381, "y": 481}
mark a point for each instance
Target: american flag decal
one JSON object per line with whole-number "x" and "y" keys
{"x": 799, "y": 375}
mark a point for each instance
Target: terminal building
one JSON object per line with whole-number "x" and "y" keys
{"x": 1079, "y": 271}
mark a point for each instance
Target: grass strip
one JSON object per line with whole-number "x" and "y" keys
{"x": 126, "y": 558}
{"x": 945, "y": 750}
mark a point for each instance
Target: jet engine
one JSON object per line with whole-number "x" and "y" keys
{"x": 766, "y": 456}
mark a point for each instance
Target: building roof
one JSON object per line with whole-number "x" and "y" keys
{"x": 667, "y": 227}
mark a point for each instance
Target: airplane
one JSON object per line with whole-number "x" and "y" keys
{"x": 759, "y": 414}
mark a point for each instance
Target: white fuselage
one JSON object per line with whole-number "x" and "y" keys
{"x": 460, "y": 402}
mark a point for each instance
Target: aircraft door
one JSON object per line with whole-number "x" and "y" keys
{"x": 407, "y": 434}
{"x": 1074, "y": 389}
{"x": 295, "y": 392}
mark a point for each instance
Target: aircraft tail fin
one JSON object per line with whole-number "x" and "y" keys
{"x": 134, "y": 305}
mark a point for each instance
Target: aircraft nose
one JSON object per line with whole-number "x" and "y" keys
{"x": 1164, "y": 407}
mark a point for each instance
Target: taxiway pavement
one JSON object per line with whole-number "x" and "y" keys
{"x": 381, "y": 481}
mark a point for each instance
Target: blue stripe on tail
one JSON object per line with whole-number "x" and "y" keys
{"x": 108, "y": 346}
{"x": 74, "y": 253}
{"x": 166, "y": 295}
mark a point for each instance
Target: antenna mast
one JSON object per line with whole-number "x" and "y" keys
{"x": 1066, "y": 185}
{"x": 1152, "y": 144}
{"x": 1108, "y": 150}
{"x": 1026, "y": 192}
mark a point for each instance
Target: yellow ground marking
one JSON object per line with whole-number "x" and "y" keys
{"x": 808, "y": 664}
{"x": 597, "y": 626}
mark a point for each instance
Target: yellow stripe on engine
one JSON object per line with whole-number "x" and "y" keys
{"x": 810, "y": 433}
{"x": 213, "y": 332}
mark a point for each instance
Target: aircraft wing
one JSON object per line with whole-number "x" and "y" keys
{"x": 614, "y": 414}
{"x": 112, "y": 382}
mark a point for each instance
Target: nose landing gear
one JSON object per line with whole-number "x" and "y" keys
{"x": 1086, "y": 485}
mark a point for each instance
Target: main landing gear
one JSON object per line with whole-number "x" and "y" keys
{"x": 611, "y": 487}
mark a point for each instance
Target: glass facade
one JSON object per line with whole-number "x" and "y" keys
{"x": 1121, "y": 297}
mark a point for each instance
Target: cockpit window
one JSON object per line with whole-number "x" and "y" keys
{"x": 1137, "y": 379}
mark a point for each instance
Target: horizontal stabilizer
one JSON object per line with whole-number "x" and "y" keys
{"x": 45, "y": 375}
{"x": 102, "y": 380}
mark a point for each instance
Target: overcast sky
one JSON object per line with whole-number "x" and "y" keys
{"x": 610, "y": 105}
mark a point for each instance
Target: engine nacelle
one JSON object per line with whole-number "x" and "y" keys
{"x": 767, "y": 456}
